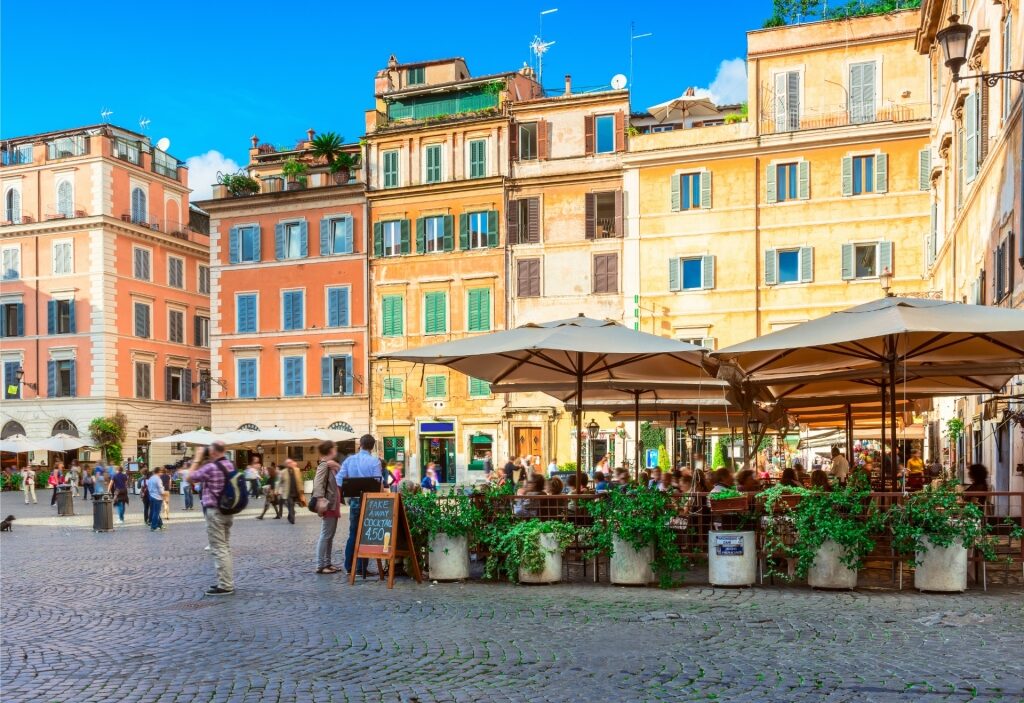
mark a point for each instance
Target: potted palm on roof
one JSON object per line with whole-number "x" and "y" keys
{"x": 329, "y": 146}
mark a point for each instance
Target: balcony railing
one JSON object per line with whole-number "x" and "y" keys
{"x": 166, "y": 170}
{"x": 65, "y": 213}
{"x": 842, "y": 118}
{"x": 16, "y": 156}
{"x": 127, "y": 150}
{"x": 67, "y": 147}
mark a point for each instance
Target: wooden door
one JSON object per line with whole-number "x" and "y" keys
{"x": 527, "y": 441}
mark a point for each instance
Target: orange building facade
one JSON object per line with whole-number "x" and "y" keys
{"x": 104, "y": 291}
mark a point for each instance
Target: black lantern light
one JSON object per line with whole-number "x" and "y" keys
{"x": 755, "y": 427}
{"x": 691, "y": 427}
{"x": 953, "y": 39}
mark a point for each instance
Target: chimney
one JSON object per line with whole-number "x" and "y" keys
{"x": 309, "y": 134}
{"x": 255, "y": 141}
{"x": 568, "y": 84}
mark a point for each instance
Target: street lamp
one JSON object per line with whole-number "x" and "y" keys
{"x": 954, "y": 39}
{"x": 592, "y": 429}
{"x": 885, "y": 280}
{"x": 691, "y": 431}
{"x": 19, "y": 374}
{"x": 755, "y": 426}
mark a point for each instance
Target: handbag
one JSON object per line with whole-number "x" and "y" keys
{"x": 320, "y": 505}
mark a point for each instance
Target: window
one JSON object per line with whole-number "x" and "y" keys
{"x": 126, "y": 150}
{"x": 436, "y": 387}
{"x": 866, "y": 260}
{"x": 478, "y": 313}
{"x": 245, "y": 313}
{"x": 142, "y": 320}
{"x": 528, "y": 141}
{"x": 394, "y": 448}
{"x": 65, "y": 199}
{"x": 12, "y": 206}
{"x": 866, "y": 174}
{"x": 292, "y": 310}
{"x": 204, "y": 280}
{"x": 787, "y": 101}
{"x": 414, "y": 76}
{"x": 143, "y": 380}
{"x": 141, "y": 259}
{"x": 691, "y": 191}
{"x": 392, "y": 237}
{"x": 604, "y": 130}
{"x": 290, "y": 240}
{"x": 786, "y": 182}
{"x": 603, "y": 215}
{"x": 178, "y": 384}
{"x": 61, "y": 378}
{"x": 393, "y": 388}
{"x": 139, "y": 215}
{"x": 705, "y": 342}
{"x": 524, "y": 221}
{"x": 201, "y": 331}
{"x": 246, "y": 381}
{"x": 12, "y": 263}
{"x": 64, "y": 147}
{"x": 60, "y": 317}
{"x": 1006, "y": 59}
{"x": 294, "y": 372}
{"x": 479, "y": 226}
{"x": 528, "y": 278}
{"x": 862, "y": 92}
{"x": 63, "y": 258}
{"x": 165, "y": 164}
{"x": 691, "y": 273}
{"x": 338, "y": 306}
{"x": 863, "y": 174}
{"x": 432, "y": 163}
{"x": 12, "y": 319}
{"x": 477, "y": 158}
{"x": 434, "y": 234}
{"x": 478, "y": 388}
{"x": 12, "y": 386}
{"x": 336, "y": 236}
{"x": 435, "y": 312}
{"x": 336, "y": 375}
{"x": 176, "y": 326}
{"x": 392, "y": 316}
{"x": 175, "y": 272}
{"x": 788, "y": 265}
{"x": 1002, "y": 267}
{"x": 606, "y": 273}
{"x": 390, "y": 168}
{"x": 244, "y": 244}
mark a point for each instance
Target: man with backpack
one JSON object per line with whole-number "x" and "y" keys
{"x": 223, "y": 495}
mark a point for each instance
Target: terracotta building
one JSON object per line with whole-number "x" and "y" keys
{"x": 104, "y": 297}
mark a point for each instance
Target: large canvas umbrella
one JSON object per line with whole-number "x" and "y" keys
{"x": 18, "y": 444}
{"x": 200, "y": 437}
{"x": 935, "y": 347}
{"x": 62, "y": 443}
{"x": 578, "y": 349}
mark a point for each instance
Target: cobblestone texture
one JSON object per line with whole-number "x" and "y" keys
{"x": 120, "y": 617}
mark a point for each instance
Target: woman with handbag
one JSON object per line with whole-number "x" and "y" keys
{"x": 325, "y": 502}
{"x": 272, "y": 496}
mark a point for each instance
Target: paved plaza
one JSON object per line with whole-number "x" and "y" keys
{"x": 121, "y": 617}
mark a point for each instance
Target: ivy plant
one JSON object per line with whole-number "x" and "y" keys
{"x": 431, "y": 514}
{"x": 939, "y": 517}
{"x": 516, "y": 544}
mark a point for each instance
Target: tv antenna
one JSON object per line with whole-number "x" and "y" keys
{"x": 105, "y": 114}
{"x": 539, "y": 47}
{"x": 143, "y": 122}
{"x": 633, "y": 36}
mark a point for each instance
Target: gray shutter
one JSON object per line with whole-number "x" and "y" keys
{"x": 885, "y": 257}
{"x": 847, "y": 262}
{"x": 233, "y": 250}
{"x": 167, "y": 383}
{"x": 675, "y": 186}
{"x": 51, "y": 317}
{"x": 803, "y": 170}
{"x": 512, "y": 221}
{"x": 72, "y": 327}
{"x": 971, "y": 136}
{"x": 186, "y": 386}
{"x": 780, "y": 102}
{"x": 195, "y": 331}
{"x": 343, "y": 307}
{"x": 325, "y": 237}
{"x": 421, "y": 235}
{"x": 881, "y": 173}
{"x": 304, "y": 238}
{"x": 930, "y": 240}
{"x": 674, "y": 274}
{"x": 847, "y": 175}
{"x": 705, "y": 189}
{"x": 325, "y": 375}
{"x": 591, "y": 216}
{"x": 449, "y": 235}
{"x": 793, "y": 100}
{"x": 464, "y": 231}
{"x": 770, "y": 274}
{"x": 771, "y": 192}
{"x": 378, "y": 239}
{"x": 279, "y": 251}
{"x": 73, "y": 376}
{"x": 51, "y": 379}
{"x": 257, "y": 238}
{"x": 707, "y": 266}
{"x": 924, "y": 169}
{"x": 806, "y": 264}
{"x": 405, "y": 236}
{"x": 348, "y": 373}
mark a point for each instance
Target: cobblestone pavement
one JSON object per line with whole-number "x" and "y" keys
{"x": 120, "y": 617}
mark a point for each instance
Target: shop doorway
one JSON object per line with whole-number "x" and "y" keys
{"x": 527, "y": 442}
{"x": 441, "y": 451}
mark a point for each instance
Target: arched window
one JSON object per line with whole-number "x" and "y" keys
{"x": 65, "y": 199}
{"x": 10, "y": 429}
{"x": 341, "y": 425}
{"x": 12, "y": 206}
{"x": 64, "y": 427}
{"x": 249, "y": 427}
{"x": 139, "y": 206}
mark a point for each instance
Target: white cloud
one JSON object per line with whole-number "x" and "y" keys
{"x": 730, "y": 84}
{"x": 202, "y": 172}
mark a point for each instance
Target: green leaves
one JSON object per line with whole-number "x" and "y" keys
{"x": 430, "y": 514}
{"x": 515, "y": 545}
{"x": 942, "y": 516}
{"x": 327, "y": 145}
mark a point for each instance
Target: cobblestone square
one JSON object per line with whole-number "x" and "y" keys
{"x": 121, "y": 617}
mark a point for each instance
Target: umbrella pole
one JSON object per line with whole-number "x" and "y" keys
{"x": 885, "y": 474}
{"x": 579, "y": 419}
{"x": 849, "y": 433}
{"x": 892, "y": 415}
{"x": 636, "y": 419}
{"x": 675, "y": 438}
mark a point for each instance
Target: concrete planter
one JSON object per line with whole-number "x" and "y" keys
{"x": 732, "y": 558}
{"x": 449, "y": 558}
{"x": 942, "y": 569}
{"x": 828, "y": 569}
{"x": 307, "y": 486}
{"x": 552, "y": 571}
{"x": 629, "y": 566}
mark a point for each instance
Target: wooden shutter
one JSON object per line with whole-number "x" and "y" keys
{"x": 803, "y": 188}
{"x": 675, "y": 192}
{"x": 847, "y": 262}
{"x": 326, "y": 375}
{"x": 256, "y": 243}
{"x": 528, "y": 278}
{"x": 51, "y": 317}
{"x": 675, "y": 274}
{"x": 279, "y": 243}
{"x": 707, "y": 270}
{"x": 513, "y": 142}
{"x": 233, "y": 249}
{"x": 449, "y": 238}
{"x": 847, "y": 175}
{"x": 512, "y": 222}
{"x": 303, "y": 238}
{"x": 421, "y": 235}
{"x": 806, "y": 264}
{"x": 705, "y": 189}
{"x": 348, "y": 237}
{"x": 983, "y": 103}
{"x": 588, "y": 134}
{"x": 73, "y": 378}
{"x": 770, "y": 266}
{"x": 780, "y": 102}
{"x": 533, "y": 220}
{"x": 19, "y": 309}
{"x": 620, "y": 224}
{"x": 885, "y": 257}
{"x": 620, "y": 131}
{"x": 186, "y": 385}
{"x": 325, "y": 237}
{"x": 600, "y": 278}
{"x": 881, "y": 173}
{"x": 72, "y": 327}
{"x": 606, "y": 273}
{"x": 405, "y": 236}
{"x": 772, "y": 191}
{"x": 924, "y": 169}
{"x": 464, "y": 231}
{"x": 492, "y": 228}
{"x": 378, "y": 239}
{"x": 51, "y": 378}
{"x": 167, "y": 383}
{"x": 543, "y": 142}
{"x": 971, "y": 137}
{"x": 591, "y": 215}
{"x": 479, "y": 310}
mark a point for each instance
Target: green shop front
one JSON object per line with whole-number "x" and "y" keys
{"x": 439, "y": 443}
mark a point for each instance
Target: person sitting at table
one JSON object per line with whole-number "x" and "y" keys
{"x": 789, "y": 479}
{"x": 723, "y": 480}
{"x": 553, "y": 486}
{"x": 819, "y": 480}
{"x": 801, "y": 475}
{"x": 746, "y": 481}
{"x": 600, "y": 482}
{"x": 978, "y": 475}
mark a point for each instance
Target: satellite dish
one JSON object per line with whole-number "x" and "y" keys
{"x": 163, "y": 144}
{"x": 618, "y": 81}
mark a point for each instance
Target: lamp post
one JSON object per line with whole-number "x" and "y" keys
{"x": 756, "y": 428}
{"x": 954, "y": 39}
{"x": 19, "y": 374}
{"x": 691, "y": 432}
{"x": 592, "y": 429}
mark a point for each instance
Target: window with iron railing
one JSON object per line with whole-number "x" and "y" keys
{"x": 16, "y": 155}
{"x": 165, "y": 164}
{"x": 127, "y": 150}
{"x": 66, "y": 147}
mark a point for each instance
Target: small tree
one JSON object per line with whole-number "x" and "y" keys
{"x": 721, "y": 456}
{"x": 108, "y": 434}
{"x": 663, "y": 462}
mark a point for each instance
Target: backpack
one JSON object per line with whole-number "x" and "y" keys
{"x": 234, "y": 497}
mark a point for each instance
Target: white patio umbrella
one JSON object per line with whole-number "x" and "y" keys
{"x": 18, "y": 444}
{"x": 329, "y": 434}
{"x": 200, "y": 437}
{"x": 261, "y": 436}
{"x": 683, "y": 106}
{"x": 62, "y": 443}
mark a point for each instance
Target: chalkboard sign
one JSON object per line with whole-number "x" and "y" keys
{"x": 383, "y": 534}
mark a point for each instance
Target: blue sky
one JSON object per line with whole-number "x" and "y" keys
{"x": 210, "y": 74}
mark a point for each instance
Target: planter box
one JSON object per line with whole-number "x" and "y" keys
{"x": 629, "y": 566}
{"x": 307, "y": 486}
{"x": 449, "y": 558}
{"x": 732, "y": 558}
{"x": 828, "y": 570}
{"x": 552, "y": 571}
{"x": 730, "y": 505}
{"x": 785, "y": 503}
{"x": 942, "y": 569}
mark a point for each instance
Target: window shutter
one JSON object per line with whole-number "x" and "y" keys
{"x": 620, "y": 223}
{"x": 51, "y": 379}
{"x": 930, "y": 242}
{"x": 20, "y": 312}
{"x": 803, "y": 169}
{"x": 233, "y": 245}
{"x": 924, "y": 169}
{"x": 195, "y": 331}
{"x": 429, "y": 314}
{"x": 378, "y": 239}
{"x": 348, "y": 373}
{"x": 543, "y": 144}
{"x": 983, "y": 121}
{"x": 806, "y": 264}
{"x": 708, "y": 271}
{"x": 847, "y": 262}
{"x": 705, "y": 189}
{"x": 847, "y": 174}
{"x": 325, "y": 237}
{"x": 512, "y": 222}
{"x": 620, "y": 131}
{"x": 881, "y": 173}
{"x": 140, "y": 320}
{"x": 600, "y": 283}
{"x": 793, "y": 100}
{"x": 885, "y": 257}
{"x": 588, "y": 134}
{"x": 303, "y": 239}
{"x": 139, "y": 383}
{"x": 479, "y": 310}
{"x": 186, "y": 385}
{"x": 780, "y": 102}
{"x": 348, "y": 236}
{"x": 72, "y": 326}
{"x": 464, "y": 231}
{"x": 3, "y": 321}
{"x": 449, "y": 239}
{"x": 279, "y": 251}
{"x": 533, "y": 220}
{"x": 675, "y": 186}
{"x": 591, "y": 215}
{"x": 674, "y": 274}
{"x": 325, "y": 375}
{"x": 51, "y": 317}
{"x": 344, "y": 308}
{"x": 513, "y": 142}
{"x": 971, "y": 135}
{"x": 333, "y": 308}
{"x": 492, "y": 228}
{"x": 771, "y": 191}
{"x": 770, "y": 267}
{"x": 167, "y": 383}
{"x": 256, "y": 243}
{"x": 421, "y": 235}
{"x": 73, "y": 378}
{"x": 405, "y": 236}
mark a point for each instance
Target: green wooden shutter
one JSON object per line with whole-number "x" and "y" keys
{"x": 705, "y": 189}
{"x": 770, "y": 275}
{"x": 405, "y": 236}
{"x": 492, "y": 228}
{"x": 885, "y": 257}
{"x": 847, "y": 262}
{"x": 378, "y": 239}
{"x": 675, "y": 185}
{"x": 464, "y": 231}
{"x": 479, "y": 314}
{"x": 847, "y": 175}
{"x": 803, "y": 169}
{"x": 707, "y": 267}
{"x": 806, "y": 264}
{"x": 449, "y": 238}
{"x": 971, "y": 137}
{"x": 421, "y": 235}
{"x": 436, "y": 386}
{"x": 675, "y": 274}
{"x": 881, "y": 173}
{"x": 772, "y": 191}
{"x": 924, "y": 169}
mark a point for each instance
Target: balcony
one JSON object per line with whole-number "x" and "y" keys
{"x": 67, "y": 213}
{"x": 20, "y": 155}
{"x": 165, "y": 165}
{"x": 842, "y": 118}
{"x": 67, "y": 147}
{"x": 127, "y": 150}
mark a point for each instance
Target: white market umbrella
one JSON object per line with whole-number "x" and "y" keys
{"x": 683, "y": 106}
{"x": 329, "y": 434}
{"x": 18, "y": 444}
{"x": 62, "y": 443}
{"x": 200, "y": 437}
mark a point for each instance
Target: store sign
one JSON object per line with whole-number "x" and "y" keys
{"x": 652, "y": 458}
{"x": 437, "y": 427}
{"x": 729, "y": 545}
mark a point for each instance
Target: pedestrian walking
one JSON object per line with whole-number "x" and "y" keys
{"x": 28, "y": 483}
{"x": 143, "y": 488}
{"x": 74, "y": 477}
{"x": 362, "y": 464}
{"x": 252, "y": 476}
{"x": 272, "y": 495}
{"x": 99, "y": 481}
{"x": 56, "y": 479}
{"x": 165, "y": 506}
{"x": 155, "y": 487}
{"x": 429, "y": 482}
{"x": 325, "y": 499}
{"x": 119, "y": 489}
{"x": 211, "y": 475}
{"x": 291, "y": 488}
{"x": 88, "y": 484}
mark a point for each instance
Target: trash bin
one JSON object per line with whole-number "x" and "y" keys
{"x": 102, "y": 513}
{"x": 65, "y": 501}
